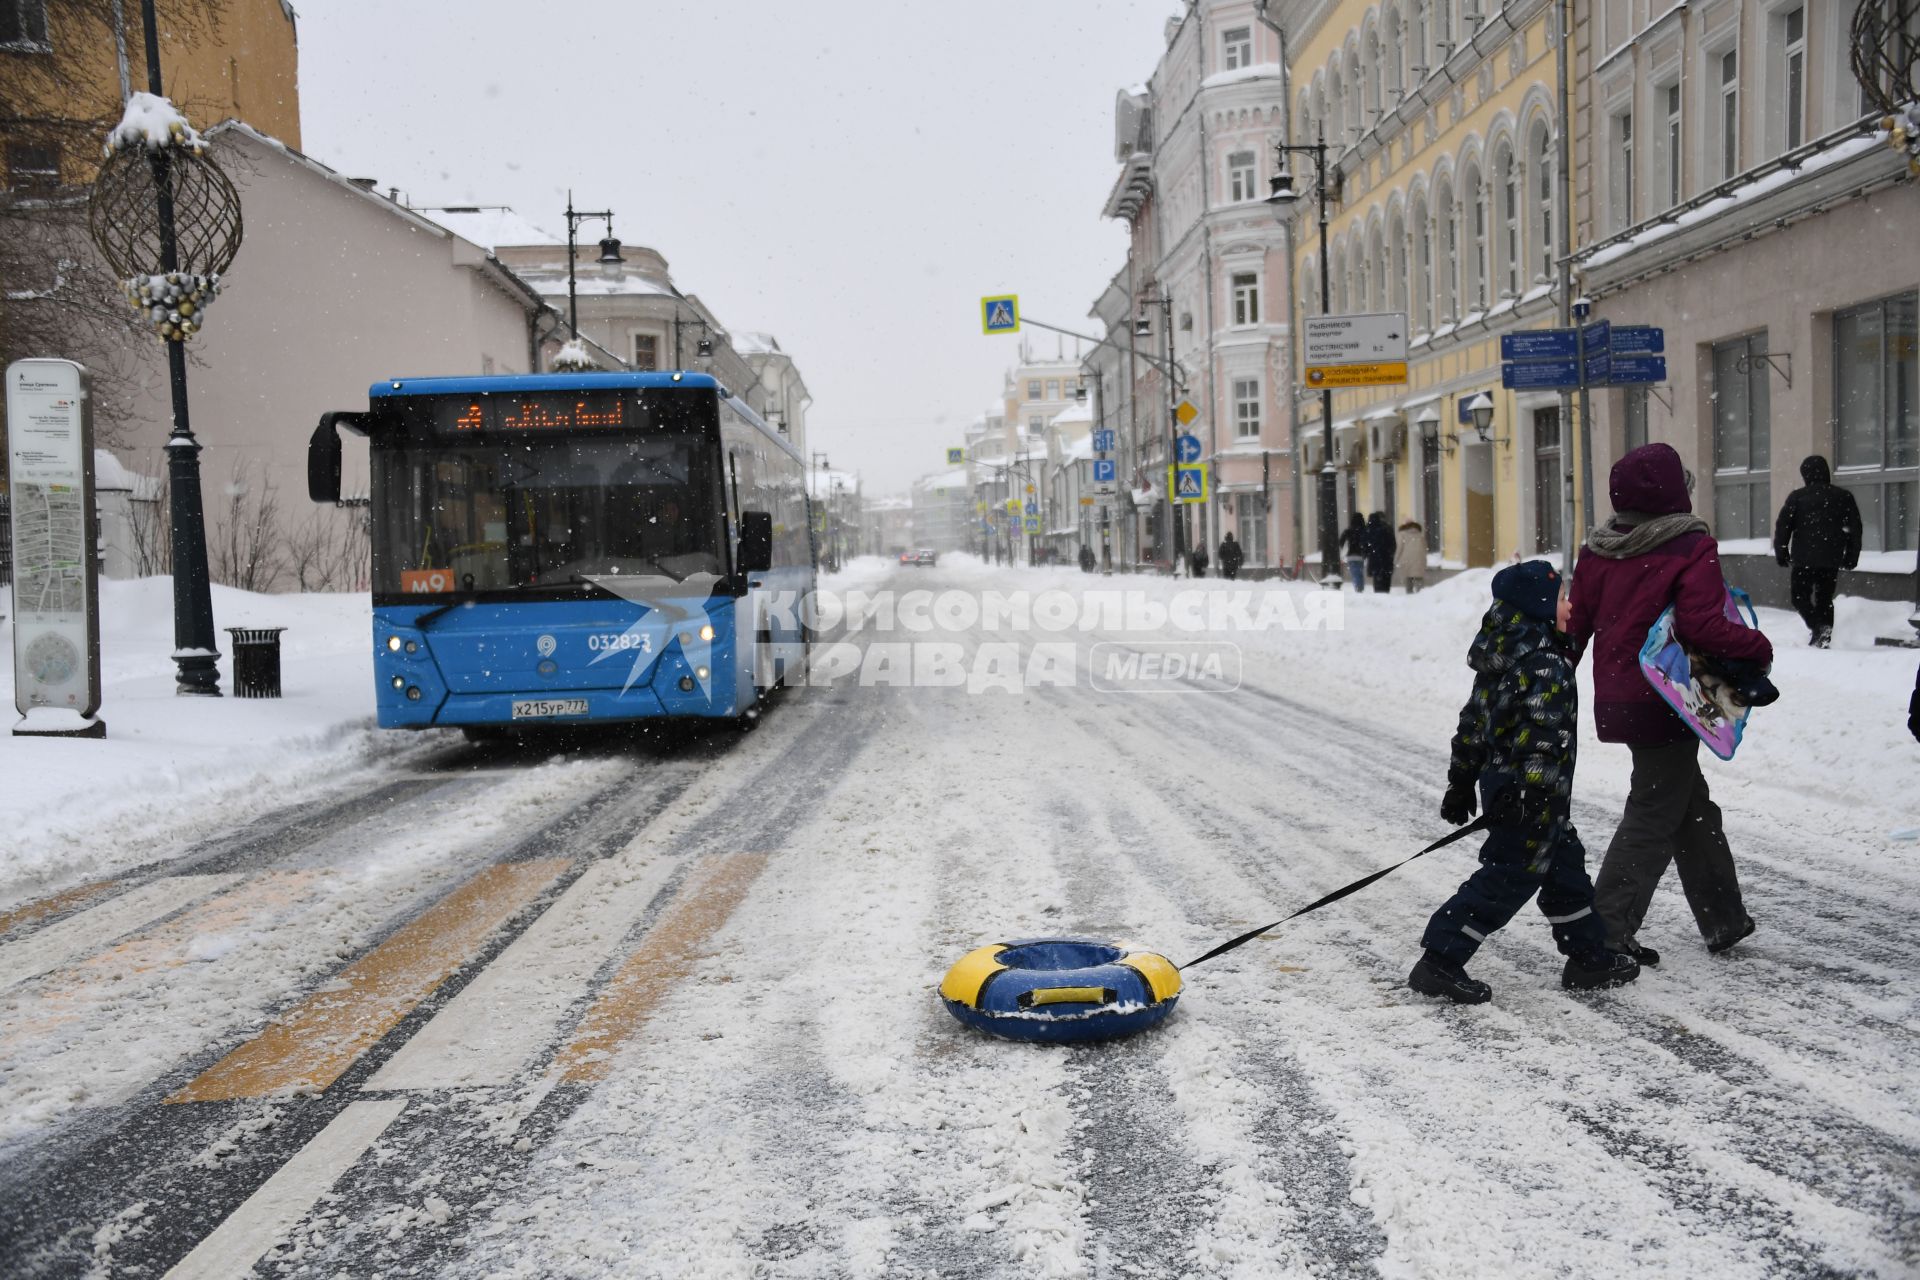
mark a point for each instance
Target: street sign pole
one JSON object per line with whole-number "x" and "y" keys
{"x": 1580, "y": 312}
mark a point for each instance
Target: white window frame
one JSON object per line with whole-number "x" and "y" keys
{"x": 1673, "y": 143}
{"x": 1243, "y": 176}
{"x": 1508, "y": 188}
{"x": 1726, "y": 119}
{"x": 1620, "y": 167}
{"x": 1236, "y": 48}
{"x": 1247, "y": 400}
{"x": 1053, "y": 389}
{"x": 1788, "y": 60}
{"x": 1033, "y": 388}
{"x": 1245, "y": 287}
{"x": 1542, "y": 161}
{"x": 635, "y": 339}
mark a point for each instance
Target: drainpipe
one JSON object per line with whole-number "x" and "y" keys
{"x": 1286, "y": 242}
{"x": 1210, "y": 514}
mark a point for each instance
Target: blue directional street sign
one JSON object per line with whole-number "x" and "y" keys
{"x": 1187, "y": 448}
{"x": 1539, "y": 344}
{"x": 1540, "y": 375}
{"x": 1103, "y": 470}
{"x": 1599, "y": 368}
{"x": 1636, "y": 369}
{"x": 1638, "y": 340}
{"x": 1103, "y": 440}
{"x": 1032, "y": 506}
{"x": 1597, "y": 335}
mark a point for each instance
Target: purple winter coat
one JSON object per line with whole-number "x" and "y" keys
{"x": 1615, "y": 602}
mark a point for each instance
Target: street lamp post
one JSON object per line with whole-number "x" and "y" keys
{"x": 1142, "y": 327}
{"x": 1282, "y": 199}
{"x": 609, "y": 252}
{"x": 167, "y": 220}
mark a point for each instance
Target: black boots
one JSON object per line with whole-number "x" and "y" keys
{"x": 1723, "y": 941}
{"x": 1433, "y": 976}
{"x": 1611, "y": 969}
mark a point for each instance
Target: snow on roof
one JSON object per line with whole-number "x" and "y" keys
{"x": 593, "y": 281}
{"x": 1073, "y": 413}
{"x": 152, "y": 122}
{"x": 1074, "y": 450}
{"x": 490, "y": 226}
{"x": 943, "y": 481}
{"x": 756, "y": 344}
{"x": 1258, "y": 71}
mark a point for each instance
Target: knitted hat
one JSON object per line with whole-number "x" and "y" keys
{"x": 1532, "y": 587}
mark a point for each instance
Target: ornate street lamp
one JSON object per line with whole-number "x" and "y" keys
{"x": 167, "y": 221}
{"x": 609, "y": 255}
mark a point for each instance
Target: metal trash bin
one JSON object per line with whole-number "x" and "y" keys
{"x": 256, "y": 661}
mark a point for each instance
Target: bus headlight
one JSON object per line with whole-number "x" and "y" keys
{"x": 701, "y": 672}
{"x": 393, "y": 644}
{"x": 399, "y": 682}
{"x": 706, "y": 631}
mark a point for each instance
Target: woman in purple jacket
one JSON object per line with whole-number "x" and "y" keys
{"x": 1655, "y": 552}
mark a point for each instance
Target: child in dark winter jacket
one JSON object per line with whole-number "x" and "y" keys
{"x": 1516, "y": 744}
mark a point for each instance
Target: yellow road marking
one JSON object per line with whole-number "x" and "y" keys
{"x": 35, "y": 911}
{"x": 319, "y": 1038}
{"x": 662, "y": 959}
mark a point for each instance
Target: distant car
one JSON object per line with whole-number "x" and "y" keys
{"x": 909, "y": 557}
{"x": 927, "y": 556}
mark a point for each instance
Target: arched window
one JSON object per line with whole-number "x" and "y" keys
{"x": 1473, "y": 199}
{"x": 1507, "y": 190}
{"x": 1397, "y": 268}
{"x": 1361, "y": 282}
{"x": 1303, "y": 120}
{"x": 1445, "y": 282}
{"x": 1335, "y": 113}
{"x": 1395, "y": 77}
{"x": 1356, "y": 117}
{"x": 1540, "y": 162}
{"x": 1376, "y": 74}
{"x": 1421, "y": 46}
{"x": 1320, "y": 116}
{"x": 1422, "y": 266}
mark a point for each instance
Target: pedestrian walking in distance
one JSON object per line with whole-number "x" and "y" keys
{"x": 1817, "y": 534}
{"x": 1380, "y": 552}
{"x": 1353, "y": 545}
{"x": 1087, "y": 560}
{"x": 1410, "y": 556}
{"x": 1515, "y": 744}
{"x": 1655, "y": 552}
{"x": 1231, "y": 556}
{"x": 1198, "y": 561}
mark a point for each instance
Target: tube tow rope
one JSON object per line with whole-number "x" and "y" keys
{"x": 1480, "y": 823}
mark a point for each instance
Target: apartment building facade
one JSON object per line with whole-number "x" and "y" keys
{"x": 1733, "y": 188}
{"x": 1207, "y": 266}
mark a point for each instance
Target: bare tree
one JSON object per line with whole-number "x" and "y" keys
{"x": 57, "y": 298}
{"x": 328, "y": 550}
{"x": 245, "y": 542}
{"x": 149, "y": 521}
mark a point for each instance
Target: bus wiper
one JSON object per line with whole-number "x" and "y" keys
{"x": 423, "y": 619}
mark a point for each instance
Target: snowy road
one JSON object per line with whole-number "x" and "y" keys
{"x": 664, "y": 1008}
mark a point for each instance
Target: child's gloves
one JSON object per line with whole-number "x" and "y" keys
{"x": 1458, "y": 805}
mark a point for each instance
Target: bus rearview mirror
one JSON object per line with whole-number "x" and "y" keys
{"x": 323, "y": 463}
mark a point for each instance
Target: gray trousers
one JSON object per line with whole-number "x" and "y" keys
{"x": 1669, "y": 818}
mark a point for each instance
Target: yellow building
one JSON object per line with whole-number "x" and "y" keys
{"x": 63, "y": 68}
{"x": 1441, "y": 123}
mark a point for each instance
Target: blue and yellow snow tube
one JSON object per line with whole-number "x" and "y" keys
{"x": 1060, "y": 990}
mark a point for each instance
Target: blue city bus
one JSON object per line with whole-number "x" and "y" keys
{"x": 555, "y": 549}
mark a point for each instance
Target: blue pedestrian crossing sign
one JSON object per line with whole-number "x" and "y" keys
{"x": 1000, "y": 314}
{"x": 1033, "y": 524}
{"x": 1189, "y": 483}
{"x": 1187, "y": 448}
{"x": 1103, "y": 470}
{"x": 956, "y": 456}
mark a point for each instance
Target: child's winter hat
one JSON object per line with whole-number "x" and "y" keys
{"x": 1532, "y": 587}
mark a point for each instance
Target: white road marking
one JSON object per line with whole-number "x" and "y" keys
{"x": 512, "y": 1011}
{"x": 269, "y": 1213}
{"x": 94, "y": 929}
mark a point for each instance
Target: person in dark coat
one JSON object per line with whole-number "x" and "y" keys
{"x": 1197, "y": 560}
{"x": 1380, "y": 543}
{"x": 1653, "y": 553}
{"x": 1231, "y": 556}
{"x": 1516, "y": 744}
{"x": 1353, "y": 545}
{"x": 1817, "y": 534}
{"x": 1087, "y": 559}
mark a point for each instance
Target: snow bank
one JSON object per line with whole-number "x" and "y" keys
{"x": 173, "y": 768}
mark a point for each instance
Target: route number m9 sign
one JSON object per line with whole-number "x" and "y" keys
{"x": 56, "y": 616}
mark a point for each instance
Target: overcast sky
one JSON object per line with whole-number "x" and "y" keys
{"x": 850, "y": 175}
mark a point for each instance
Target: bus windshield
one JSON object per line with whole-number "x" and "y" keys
{"x": 477, "y": 515}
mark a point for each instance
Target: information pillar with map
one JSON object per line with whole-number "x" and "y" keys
{"x": 55, "y": 588}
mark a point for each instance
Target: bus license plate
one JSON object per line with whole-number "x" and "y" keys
{"x": 546, "y": 708}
